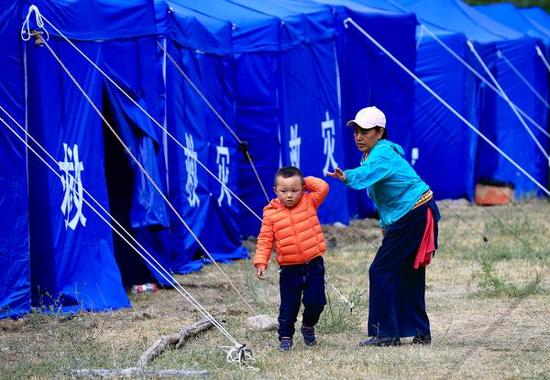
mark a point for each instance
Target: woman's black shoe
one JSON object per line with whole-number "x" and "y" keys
{"x": 422, "y": 339}
{"x": 380, "y": 342}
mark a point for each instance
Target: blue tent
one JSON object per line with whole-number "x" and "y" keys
{"x": 444, "y": 149}
{"x": 14, "y": 228}
{"x": 438, "y": 146}
{"x": 497, "y": 120}
{"x": 73, "y": 254}
{"x": 200, "y": 44}
{"x": 514, "y": 18}
{"x": 369, "y": 77}
{"x": 303, "y": 98}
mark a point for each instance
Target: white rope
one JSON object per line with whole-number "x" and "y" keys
{"x": 449, "y": 107}
{"x": 341, "y": 297}
{"x": 165, "y": 130}
{"x": 26, "y": 32}
{"x": 507, "y": 99}
{"x": 222, "y": 120}
{"x": 147, "y": 175}
{"x": 542, "y": 57}
{"x": 482, "y": 78}
{"x": 163, "y": 272}
{"x": 523, "y": 79}
{"x": 26, "y": 78}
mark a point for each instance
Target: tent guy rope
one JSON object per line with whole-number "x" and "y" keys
{"x": 543, "y": 58}
{"x": 482, "y": 78}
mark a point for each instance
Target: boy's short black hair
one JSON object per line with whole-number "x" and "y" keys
{"x": 287, "y": 172}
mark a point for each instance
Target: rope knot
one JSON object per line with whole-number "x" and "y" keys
{"x": 37, "y": 30}
{"x": 239, "y": 353}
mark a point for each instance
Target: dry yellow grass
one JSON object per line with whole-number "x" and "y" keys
{"x": 475, "y": 334}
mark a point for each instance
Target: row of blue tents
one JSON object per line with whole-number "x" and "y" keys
{"x": 209, "y": 98}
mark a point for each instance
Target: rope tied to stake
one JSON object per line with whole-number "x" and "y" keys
{"x": 239, "y": 354}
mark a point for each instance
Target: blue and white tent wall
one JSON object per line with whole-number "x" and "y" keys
{"x": 15, "y": 292}
{"x": 201, "y": 45}
{"x": 306, "y": 94}
{"x": 250, "y": 49}
{"x": 265, "y": 46}
{"x": 73, "y": 256}
{"x": 369, "y": 77}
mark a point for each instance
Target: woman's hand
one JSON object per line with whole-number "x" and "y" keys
{"x": 338, "y": 174}
{"x": 260, "y": 272}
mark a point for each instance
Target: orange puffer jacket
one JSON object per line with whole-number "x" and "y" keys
{"x": 295, "y": 231}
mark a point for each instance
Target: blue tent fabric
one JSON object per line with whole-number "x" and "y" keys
{"x": 538, "y": 17}
{"x": 365, "y": 70}
{"x": 257, "y": 32}
{"x": 203, "y": 202}
{"x": 541, "y": 22}
{"x": 94, "y": 20}
{"x": 136, "y": 128}
{"x": 72, "y": 262}
{"x": 536, "y": 73}
{"x": 514, "y": 18}
{"x": 444, "y": 149}
{"x": 15, "y": 297}
{"x": 496, "y": 119}
{"x": 255, "y": 84}
{"x": 436, "y": 143}
{"x": 307, "y": 96}
{"x": 70, "y": 281}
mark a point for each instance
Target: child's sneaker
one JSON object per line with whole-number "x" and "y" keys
{"x": 309, "y": 335}
{"x": 285, "y": 344}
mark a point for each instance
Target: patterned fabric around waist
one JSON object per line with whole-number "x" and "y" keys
{"x": 425, "y": 198}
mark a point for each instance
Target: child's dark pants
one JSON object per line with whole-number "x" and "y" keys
{"x": 301, "y": 283}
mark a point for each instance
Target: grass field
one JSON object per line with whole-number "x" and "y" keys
{"x": 487, "y": 294}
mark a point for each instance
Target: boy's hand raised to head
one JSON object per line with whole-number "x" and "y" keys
{"x": 260, "y": 271}
{"x": 338, "y": 174}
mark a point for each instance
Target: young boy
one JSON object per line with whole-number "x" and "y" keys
{"x": 290, "y": 223}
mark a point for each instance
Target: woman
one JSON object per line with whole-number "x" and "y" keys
{"x": 408, "y": 216}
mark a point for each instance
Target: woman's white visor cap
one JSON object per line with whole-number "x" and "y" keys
{"x": 367, "y": 118}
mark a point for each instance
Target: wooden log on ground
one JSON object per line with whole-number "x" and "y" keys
{"x": 176, "y": 340}
{"x": 134, "y": 372}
